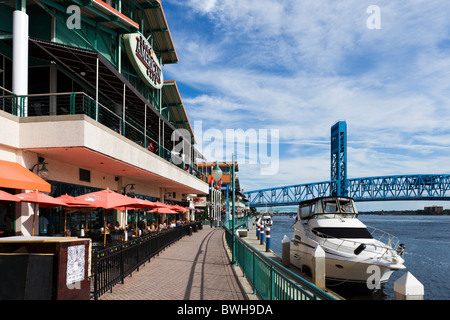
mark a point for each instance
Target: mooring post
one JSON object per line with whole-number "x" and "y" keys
{"x": 408, "y": 287}
{"x": 261, "y": 235}
{"x": 257, "y": 230}
{"x": 285, "y": 251}
{"x": 267, "y": 239}
{"x": 319, "y": 267}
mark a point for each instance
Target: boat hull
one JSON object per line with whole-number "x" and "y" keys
{"x": 344, "y": 269}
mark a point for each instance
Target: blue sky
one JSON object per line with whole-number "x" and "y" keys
{"x": 300, "y": 66}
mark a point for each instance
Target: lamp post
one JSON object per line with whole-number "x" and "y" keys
{"x": 217, "y": 174}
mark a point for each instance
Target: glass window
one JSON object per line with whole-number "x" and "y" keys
{"x": 347, "y": 233}
{"x": 346, "y": 206}
{"x": 330, "y": 206}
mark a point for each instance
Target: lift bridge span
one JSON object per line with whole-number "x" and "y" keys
{"x": 382, "y": 188}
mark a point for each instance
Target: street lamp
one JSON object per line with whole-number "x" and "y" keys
{"x": 41, "y": 171}
{"x": 217, "y": 174}
{"x": 131, "y": 191}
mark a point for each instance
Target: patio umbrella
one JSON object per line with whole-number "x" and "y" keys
{"x": 161, "y": 209}
{"x": 107, "y": 199}
{"x": 5, "y": 196}
{"x": 177, "y": 207}
{"x": 40, "y": 198}
{"x": 158, "y": 204}
{"x": 72, "y": 202}
{"x": 139, "y": 203}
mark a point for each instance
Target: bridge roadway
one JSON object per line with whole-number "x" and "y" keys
{"x": 197, "y": 267}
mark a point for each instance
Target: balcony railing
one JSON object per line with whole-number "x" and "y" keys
{"x": 55, "y": 104}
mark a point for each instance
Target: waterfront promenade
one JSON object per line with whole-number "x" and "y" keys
{"x": 197, "y": 267}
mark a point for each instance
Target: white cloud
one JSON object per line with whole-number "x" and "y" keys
{"x": 300, "y": 66}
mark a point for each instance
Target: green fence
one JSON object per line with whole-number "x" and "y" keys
{"x": 270, "y": 280}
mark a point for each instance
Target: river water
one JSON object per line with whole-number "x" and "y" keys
{"x": 427, "y": 254}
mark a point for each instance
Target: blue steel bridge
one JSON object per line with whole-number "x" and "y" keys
{"x": 382, "y": 188}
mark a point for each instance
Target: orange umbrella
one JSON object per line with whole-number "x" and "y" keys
{"x": 139, "y": 203}
{"x": 73, "y": 202}
{"x": 160, "y": 204}
{"x": 40, "y": 198}
{"x": 5, "y": 196}
{"x": 177, "y": 207}
{"x": 107, "y": 199}
{"x": 162, "y": 210}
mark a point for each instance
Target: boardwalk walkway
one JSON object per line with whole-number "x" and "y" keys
{"x": 196, "y": 267}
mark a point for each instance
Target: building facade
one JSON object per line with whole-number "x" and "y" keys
{"x": 83, "y": 95}
{"x": 224, "y": 186}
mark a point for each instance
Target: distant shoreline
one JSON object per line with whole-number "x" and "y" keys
{"x": 383, "y": 212}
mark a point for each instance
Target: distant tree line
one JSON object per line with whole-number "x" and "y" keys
{"x": 408, "y": 212}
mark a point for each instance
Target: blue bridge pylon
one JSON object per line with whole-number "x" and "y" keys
{"x": 382, "y": 188}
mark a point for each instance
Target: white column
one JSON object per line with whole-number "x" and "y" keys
{"x": 20, "y": 56}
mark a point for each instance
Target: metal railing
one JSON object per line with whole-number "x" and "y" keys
{"x": 385, "y": 248}
{"x": 110, "y": 266}
{"x": 54, "y": 104}
{"x": 270, "y": 280}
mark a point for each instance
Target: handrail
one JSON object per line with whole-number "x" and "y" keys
{"x": 350, "y": 245}
{"x": 278, "y": 282}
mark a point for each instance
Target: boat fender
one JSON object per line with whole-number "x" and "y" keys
{"x": 360, "y": 248}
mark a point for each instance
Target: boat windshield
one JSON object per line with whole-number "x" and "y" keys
{"x": 341, "y": 206}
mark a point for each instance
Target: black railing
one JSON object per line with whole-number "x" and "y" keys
{"x": 110, "y": 266}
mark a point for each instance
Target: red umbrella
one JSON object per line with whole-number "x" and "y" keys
{"x": 176, "y": 207}
{"x": 40, "y": 198}
{"x": 5, "y": 196}
{"x": 73, "y": 202}
{"x": 158, "y": 204}
{"x": 139, "y": 203}
{"x": 162, "y": 210}
{"x": 107, "y": 199}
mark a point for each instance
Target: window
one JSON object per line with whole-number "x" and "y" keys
{"x": 346, "y": 206}
{"x": 85, "y": 175}
{"x": 329, "y": 206}
{"x": 347, "y": 233}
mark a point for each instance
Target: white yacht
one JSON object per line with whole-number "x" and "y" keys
{"x": 265, "y": 219}
{"x": 354, "y": 252}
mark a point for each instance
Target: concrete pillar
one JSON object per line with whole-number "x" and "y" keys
{"x": 285, "y": 251}
{"x": 408, "y": 288}
{"x": 319, "y": 267}
{"x": 20, "y": 56}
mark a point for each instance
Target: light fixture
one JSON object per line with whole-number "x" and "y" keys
{"x": 42, "y": 170}
{"x": 216, "y": 172}
{"x": 131, "y": 191}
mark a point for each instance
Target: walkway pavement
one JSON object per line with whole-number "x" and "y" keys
{"x": 196, "y": 267}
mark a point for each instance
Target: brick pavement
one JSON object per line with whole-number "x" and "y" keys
{"x": 196, "y": 267}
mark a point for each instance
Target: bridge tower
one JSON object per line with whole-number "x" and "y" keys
{"x": 339, "y": 158}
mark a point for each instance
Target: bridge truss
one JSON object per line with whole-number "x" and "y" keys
{"x": 384, "y": 188}
{"x": 400, "y": 187}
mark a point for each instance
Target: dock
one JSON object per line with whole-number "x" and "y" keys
{"x": 196, "y": 267}
{"x": 252, "y": 240}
